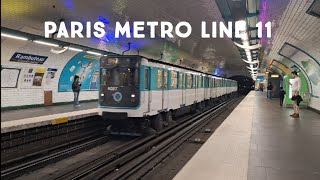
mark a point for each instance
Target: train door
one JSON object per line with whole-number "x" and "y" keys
{"x": 183, "y": 87}
{"x": 196, "y": 86}
{"x": 210, "y": 87}
{"x": 147, "y": 92}
{"x": 217, "y": 87}
{"x": 165, "y": 92}
{"x": 205, "y": 87}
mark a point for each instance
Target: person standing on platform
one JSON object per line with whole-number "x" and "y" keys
{"x": 76, "y": 90}
{"x": 269, "y": 92}
{"x": 281, "y": 94}
{"x": 295, "y": 86}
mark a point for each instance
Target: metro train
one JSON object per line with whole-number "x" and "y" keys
{"x": 139, "y": 95}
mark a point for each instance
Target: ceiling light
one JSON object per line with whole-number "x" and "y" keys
{"x": 46, "y": 43}
{"x": 246, "y": 46}
{"x": 13, "y": 36}
{"x": 75, "y": 49}
{"x": 94, "y": 53}
{"x": 250, "y": 61}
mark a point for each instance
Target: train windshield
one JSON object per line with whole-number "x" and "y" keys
{"x": 119, "y": 82}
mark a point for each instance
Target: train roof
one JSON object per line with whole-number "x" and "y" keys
{"x": 169, "y": 64}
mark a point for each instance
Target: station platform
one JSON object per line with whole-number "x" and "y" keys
{"x": 14, "y": 120}
{"x": 259, "y": 141}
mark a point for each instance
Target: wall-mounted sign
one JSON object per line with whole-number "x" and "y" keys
{"x": 28, "y": 58}
{"x": 27, "y": 77}
{"x": 274, "y": 75}
{"x": 32, "y": 77}
{"x": 9, "y": 77}
{"x": 260, "y": 79}
{"x": 51, "y": 73}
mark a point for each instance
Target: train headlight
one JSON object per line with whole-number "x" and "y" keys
{"x": 133, "y": 97}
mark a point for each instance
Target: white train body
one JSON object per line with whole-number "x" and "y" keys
{"x": 159, "y": 87}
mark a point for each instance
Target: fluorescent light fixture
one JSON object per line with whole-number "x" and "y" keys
{"x": 244, "y": 36}
{"x": 46, "y": 43}
{"x": 13, "y": 37}
{"x": 94, "y": 53}
{"x": 75, "y": 49}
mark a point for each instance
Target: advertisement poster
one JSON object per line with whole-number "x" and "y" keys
{"x": 9, "y": 77}
{"x": 27, "y": 78}
{"x": 85, "y": 66}
{"x": 51, "y": 73}
{"x": 38, "y": 76}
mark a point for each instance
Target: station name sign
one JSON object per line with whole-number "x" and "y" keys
{"x": 142, "y": 29}
{"x": 28, "y": 58}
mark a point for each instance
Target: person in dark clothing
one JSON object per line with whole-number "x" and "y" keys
{"x": 281, "y": 94}
{"x": 269, "y": 93}
{"x": 76, "y": 90}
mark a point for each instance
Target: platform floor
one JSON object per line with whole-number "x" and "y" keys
{"x": 44, "y": 111}
{"x": 51, "y": 115}
{"x": 260, "y": 141}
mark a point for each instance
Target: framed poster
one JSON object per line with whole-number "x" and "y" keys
{"x": 9, "y": 77}
{"x": 32, "y": 77}
{"x": 51, "y": 73}
{"x": 38, "y": 77}
{"x": 27, "y": 77}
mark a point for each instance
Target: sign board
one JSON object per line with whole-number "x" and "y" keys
{"x": 260, "y": 79}
{"x": 32, "y": 77}
{"x": 28, "y": 58}
{"x": 9, "y": 77}
{"x": 51, "y": 73}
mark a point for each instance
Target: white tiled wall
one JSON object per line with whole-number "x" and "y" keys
{"x": 19, "y": 96}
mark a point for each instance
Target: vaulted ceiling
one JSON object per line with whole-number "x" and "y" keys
{"x": 290, "y": 23}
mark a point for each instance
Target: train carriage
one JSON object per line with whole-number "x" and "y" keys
{"x": 138, "y": 93}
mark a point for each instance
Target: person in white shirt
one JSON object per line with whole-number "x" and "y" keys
{"x": 295, "y": 86}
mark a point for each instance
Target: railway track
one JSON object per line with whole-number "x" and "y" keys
{"x": 129, "y": 161}
{"x": 16, "y": 167}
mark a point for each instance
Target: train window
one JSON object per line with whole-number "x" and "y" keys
{"x": 184, "y": 80}
{"x": 103, "y": 76}
{"x": 201, "y": 81}
{"x": 196, "y": 81}
{"x": 165, "y": 79}
{"x": 174, "y": 80}
{"x": 181, "y": 80}
{"x": 206, "y": 82}
{"x": 160, "y": 79}
{"x": 146, "y": 79}
{"x": 190, "y": 81}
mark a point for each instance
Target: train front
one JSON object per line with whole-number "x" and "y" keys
{"x": 119, "y": 95}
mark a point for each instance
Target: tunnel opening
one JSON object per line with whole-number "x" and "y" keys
{"x": 245, "y": 84}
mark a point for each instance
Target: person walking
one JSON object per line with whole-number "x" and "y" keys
{"x": 295, "y": 86}
{"x": 76, "y": 90}
{"x": 269, "y": 92}
{"x": 281, "y": 94}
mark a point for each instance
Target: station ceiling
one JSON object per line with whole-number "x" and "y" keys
{"x": 290, "y": 24}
